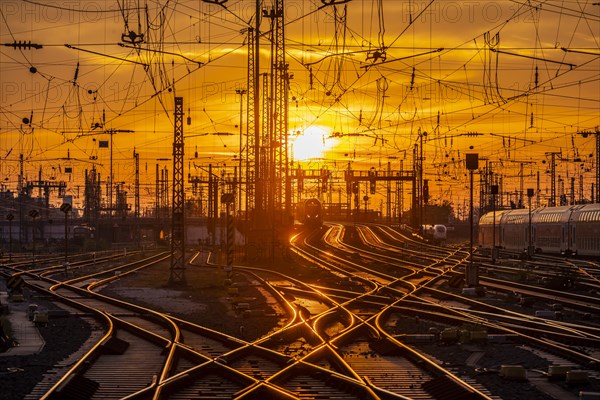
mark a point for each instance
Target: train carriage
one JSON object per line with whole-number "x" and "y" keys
{"x": 550, "y": 229}
{"x": 310, "y": 213}
{"x": 585, "y": 230}
{"x": 486, "y": 229}
{"x": 435, "y": 233}
{"x": 514, "y": 227}
{"x": 554, "y": 230}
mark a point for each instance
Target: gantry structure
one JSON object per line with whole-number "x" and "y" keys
{"x": 177, "y": 270}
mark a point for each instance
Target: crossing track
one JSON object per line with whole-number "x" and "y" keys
{"x": 340, "y": 339}
{"x": 574, "y": 341}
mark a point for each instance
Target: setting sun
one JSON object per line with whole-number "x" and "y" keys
{"x": 310, "y": 143}
{"x": 237, "y": 176}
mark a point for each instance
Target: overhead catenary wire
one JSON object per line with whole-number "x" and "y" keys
{"x": 549, "y": 90}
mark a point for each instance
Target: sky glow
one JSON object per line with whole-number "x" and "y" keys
{"x": 512, "y": 81}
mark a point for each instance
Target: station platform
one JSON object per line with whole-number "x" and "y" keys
{"x": 23, "y": 330}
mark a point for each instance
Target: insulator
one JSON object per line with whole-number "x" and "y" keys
{"x": 24, "y": 45}
{"x": 531, "y": 120}
{"x": 76, "y": 73}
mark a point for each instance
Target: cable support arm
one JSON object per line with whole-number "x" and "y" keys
{"x": 404, "y": 58}
{"x": 532, "y": 57}
{"x": 200, "y": 63}
{"x": 106, "y": 55}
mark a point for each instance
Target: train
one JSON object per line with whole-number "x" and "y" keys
{"x": 83, "y": 232}
{"x": 435, "y": 233}
{"x": 564, "y": 230}
{"x": 310, "y": 213}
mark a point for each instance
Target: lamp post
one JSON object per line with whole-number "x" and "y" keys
{"x": 472, "y": 163}
{"x": 66, "y": 207}
{"x": 596, "y": 191}
{"x": 33, "y": 214}
{"x": 494, "y": 192}
{"x": 530, "y": 235}
{"x": 10, "y": 217}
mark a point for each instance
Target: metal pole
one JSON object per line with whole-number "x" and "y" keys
{"x": 472, "y": 163}
{"x": 66, "y": 207}
{"x": 530, "y": 250}
{"x": 597, "y": 165}
{"x": 421, "y": 178}
{"x": 494, "y": 228}
{"x": 66, "y": 239}
{"x": 110, "y": 178}
{"x": 471, "y": 218}
{"x": 494, "y": 192}
{"x": 33, "y": 241}
{"x": 529, "y": 241}
{"x": 33, "y": 214}
{"x": 10, "y": 218}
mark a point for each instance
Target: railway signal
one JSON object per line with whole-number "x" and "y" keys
{"x": 66, "y": 207}
{"x": 324, "y": 180}
{"x": 494, "y": 192}
{"x": 228, "y": 199}
{"x": 33, "y": 214}
{"x": 230, "y": 239}
{"x": 472, "y": 163}
{"x": 595, "y": 189}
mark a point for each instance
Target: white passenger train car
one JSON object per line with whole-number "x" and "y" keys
{"x": 436, "y": 233}
{"x": 514, "y": 229}
{"x": 550, "y": 229}
{"x": 585, "y": 230}
{"x": 554, "y": 230}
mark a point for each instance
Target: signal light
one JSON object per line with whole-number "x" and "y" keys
{"x": 324, "y": 180}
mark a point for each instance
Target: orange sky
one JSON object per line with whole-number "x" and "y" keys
{"x": 375, "y": 108}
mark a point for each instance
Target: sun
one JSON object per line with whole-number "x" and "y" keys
{"x": 310, "y": 143}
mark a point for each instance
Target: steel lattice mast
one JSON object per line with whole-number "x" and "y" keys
{"x": 254, "y": 96}
{"x": 177, "y": 270}
{"x": 281, "y": 84}
{"x": 277, "y": 106}
{"x": 136, "y": 158}
{"x": 251, "y": 119}
{"x": 267, "y": 155}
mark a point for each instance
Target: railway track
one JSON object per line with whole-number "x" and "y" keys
{"x": 341, "y": 339}
{"x": 527, "y": 327}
